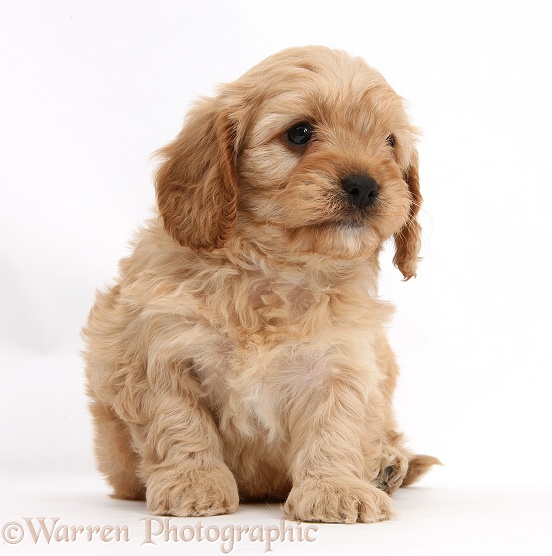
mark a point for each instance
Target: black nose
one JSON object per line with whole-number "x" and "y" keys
{"x": 362, "y": 189}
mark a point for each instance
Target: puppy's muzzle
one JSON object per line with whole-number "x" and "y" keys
{"x": 362, "y": 189}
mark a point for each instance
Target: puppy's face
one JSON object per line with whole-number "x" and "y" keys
{"x": 316, "y": 154}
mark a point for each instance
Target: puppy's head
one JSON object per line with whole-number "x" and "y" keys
{"x": 309, "y": 151}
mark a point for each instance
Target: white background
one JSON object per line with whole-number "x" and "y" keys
{"x": 89, "y": 90}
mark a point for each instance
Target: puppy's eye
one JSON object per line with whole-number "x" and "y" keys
{"x": 300, "y": 134}
{"x": 391, "y": 141}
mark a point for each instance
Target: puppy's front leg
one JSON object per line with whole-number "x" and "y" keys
{"x": 328, "y": 466}
{"x": 182, "y": 462}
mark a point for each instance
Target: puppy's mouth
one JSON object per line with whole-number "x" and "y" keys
{"x": 346, "y": 214}
{"x": 339, "y": 225}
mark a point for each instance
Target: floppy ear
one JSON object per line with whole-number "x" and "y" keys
{"x": 196, "y": 185}
{"x": 408, "y": 238}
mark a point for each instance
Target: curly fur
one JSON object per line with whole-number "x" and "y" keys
{"x": 242, "y": 352}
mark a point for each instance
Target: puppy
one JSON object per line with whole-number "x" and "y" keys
{"x": 242, "y": 352}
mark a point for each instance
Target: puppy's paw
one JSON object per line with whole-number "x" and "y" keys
{"x": 192, "y": 492}
{"x": 393, "y": 469}
{"x": 337, "y": 501}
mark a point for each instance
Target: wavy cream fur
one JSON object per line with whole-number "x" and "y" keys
{"x": 242, "y": 352}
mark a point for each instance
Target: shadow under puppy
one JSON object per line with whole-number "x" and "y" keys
{"x": 242, "y": 352}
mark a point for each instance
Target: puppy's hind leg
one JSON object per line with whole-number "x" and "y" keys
{"x": 115, "y": 455}
{"x": 400, "y": 468}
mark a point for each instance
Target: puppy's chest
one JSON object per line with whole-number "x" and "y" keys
{"x": 271, "y": 340}
{"x": 259, "y": 310}
{"x": 273, "y": 334}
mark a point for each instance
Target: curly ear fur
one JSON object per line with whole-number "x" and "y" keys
{"x": 408, "y": 239}
{"x": 197, "y": 189}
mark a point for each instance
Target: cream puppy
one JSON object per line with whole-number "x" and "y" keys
{"x": 242, "y": 352}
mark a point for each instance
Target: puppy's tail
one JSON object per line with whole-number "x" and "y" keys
{"x": 417, "y": 466}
